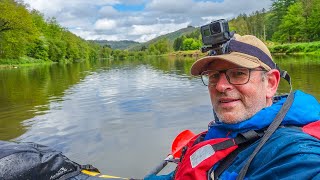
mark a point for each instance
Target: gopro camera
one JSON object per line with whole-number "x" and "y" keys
{"x": 214, "y": 35}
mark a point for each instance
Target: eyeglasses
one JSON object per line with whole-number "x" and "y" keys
{"x": 235, "y": 76}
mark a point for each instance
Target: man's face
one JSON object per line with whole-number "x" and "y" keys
{"x": 235, "y": 103}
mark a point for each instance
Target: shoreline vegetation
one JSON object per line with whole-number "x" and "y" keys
{"x": 311, "y": 48}
{"x": 23, "y": 61}
{"x": 296, "y": 48}
{"x": 307, "y": 48}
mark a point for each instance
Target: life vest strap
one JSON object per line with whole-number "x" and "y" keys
{"x": 226, "y": 162}
{"x": 241, "y": 138}
{"x": 270, "y": 130}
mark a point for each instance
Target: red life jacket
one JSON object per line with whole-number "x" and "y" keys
{"x": 199, "y": 157}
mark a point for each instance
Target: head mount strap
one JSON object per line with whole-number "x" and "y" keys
{"x": 237, "y": 46}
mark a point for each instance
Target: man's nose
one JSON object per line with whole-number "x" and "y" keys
{"x": 223, "y": 83}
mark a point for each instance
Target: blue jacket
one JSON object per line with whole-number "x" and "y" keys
{"x": 288, "y": 154}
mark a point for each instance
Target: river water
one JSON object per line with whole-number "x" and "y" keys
{"x": 120, "y": 116}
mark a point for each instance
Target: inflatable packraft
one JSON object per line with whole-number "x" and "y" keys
{"x": 31, "y": 161}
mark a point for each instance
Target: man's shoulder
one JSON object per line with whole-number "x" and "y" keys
{"x": 288, "y": 147}
{"x": 291, "y": 141}
{"x": 291, "y": 132}
{"x": 291, "y": 137}
{"x": 289, "y": 153}
{"x": 285, "y": 141}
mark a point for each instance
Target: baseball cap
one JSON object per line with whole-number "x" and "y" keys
{"x": 245, "y": 51}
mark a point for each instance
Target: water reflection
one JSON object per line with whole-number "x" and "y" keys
{"x": 304, "y": 72}
{"x": 28, "y": 91}
{"x": 120, "y": 116}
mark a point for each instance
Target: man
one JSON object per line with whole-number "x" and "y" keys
{"x": 242, "y": 84}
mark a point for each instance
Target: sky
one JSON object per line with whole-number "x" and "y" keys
{"x": 139, "y": 20}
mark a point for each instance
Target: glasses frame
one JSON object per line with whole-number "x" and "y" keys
{"x": 228, "y": 78}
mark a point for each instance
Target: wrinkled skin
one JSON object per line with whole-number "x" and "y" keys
{"x": 236, "y": 103}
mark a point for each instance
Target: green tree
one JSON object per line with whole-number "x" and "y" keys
{"x": 314, "y": 21}
{"x": 177, "y": 44}
{"x": 163, "y": 46}
{"x": 279, "y": 9}
{"x": 160, "y": 47}
{"x": 117, "y": 54}
{"x": 153, "y": 50}
{"x": 190, "y": 44}
{"x": 292, "y": 25}
{"x": 54, "y": 30}
{"x": 26, "y": 33}
{"x": 194, "y": 35}
{"x": 298, "y": 24}
{"x": 16, "y": 29}
{"x": 73, "y": 52}
{"x": 250, "y": 24}
{"x": 39, "y": 21}
{"x": 39, "y": 50}
{"x": 57, "y": 50}
{"x": 105, "y": 51}
{"x": 143, "y": 48}
{"x": 270, "y": 25}
{"x": 240, "y": 24}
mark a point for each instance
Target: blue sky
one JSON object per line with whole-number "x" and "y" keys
{"x": 139, "y": 20}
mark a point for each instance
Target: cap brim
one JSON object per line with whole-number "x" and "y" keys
{"x": 239, "y": 59}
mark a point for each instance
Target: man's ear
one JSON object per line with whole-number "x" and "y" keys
{"x": 273, "y": 80}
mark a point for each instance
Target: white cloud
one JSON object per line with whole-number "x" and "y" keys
{"x": 105, "y": 24}
{"x": 99, "y": 19}
{"x": 133, "y": 2}
{"x": 170, "y": 6}
{"x": 50, "y": 8}
{"x": 156, "y": 28}
{"x": 90, "y": 35}
{"x": 144, "y": 38}
{"x": 108, "y": 11}
{"x": 229, "y": 7}
{"x": 148, "y": 32}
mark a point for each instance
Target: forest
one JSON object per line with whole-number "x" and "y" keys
{"x": 289, "y": 26}
{"x": 27, "y": 37}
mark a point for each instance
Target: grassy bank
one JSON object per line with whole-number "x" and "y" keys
{"x": 23, "y": 61}
{"x": 296, "y": 48}
{"x": 292, "y": 48}
{"x": 190, "y": 53}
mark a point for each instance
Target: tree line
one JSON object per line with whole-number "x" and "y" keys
{"x": 287, "y": 21}
{"x": 25, "y": 33}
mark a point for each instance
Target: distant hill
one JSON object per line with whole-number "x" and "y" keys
{"x": 132, "y": 45}
{"x": 170, "y": 36}
{"x": 117, "y": 44}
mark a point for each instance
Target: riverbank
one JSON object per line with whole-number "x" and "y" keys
{"x": 190, "y": 53}
{"x": 290, "y": 48}
{"x": 23, "y": 61}
{"x": 312, "y": 48}
{"x": 296, "y": 48}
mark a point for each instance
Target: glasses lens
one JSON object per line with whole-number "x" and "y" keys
{"x": 238, "y": 76}
{"x": 210, "y": 77}
{"x": 204, "y": 78}
{"x": 235, "y": 76}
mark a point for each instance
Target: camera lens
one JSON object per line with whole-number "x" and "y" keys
{"x": 206, "y": 32}
{"x": 215, "y": 28}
